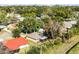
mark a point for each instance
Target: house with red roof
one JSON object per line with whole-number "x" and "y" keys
{"x": 16, "y": 43}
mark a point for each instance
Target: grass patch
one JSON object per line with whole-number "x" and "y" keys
{"x": 74, "y": 50}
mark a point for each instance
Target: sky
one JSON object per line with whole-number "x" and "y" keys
{"x": 38, "y": 2}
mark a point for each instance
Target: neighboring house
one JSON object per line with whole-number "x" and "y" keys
{"x": 16, "y": 43}
{"x": 7, "y": 30}
{"x": 5, "y": 35}
{"x": 11, "y": 27}
{"x": 14, "y": 18}
{"x": 35, "y": 36}
{"x": 69, "y": 24}
{"x": 2, "y": 26}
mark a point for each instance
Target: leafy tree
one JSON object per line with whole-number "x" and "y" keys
{"x": 2, "y": 17}
{"x": 29, "y": 25}
{"x": 16, "y": 33}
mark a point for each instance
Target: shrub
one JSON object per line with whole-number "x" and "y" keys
{"x": 16, "y": 32}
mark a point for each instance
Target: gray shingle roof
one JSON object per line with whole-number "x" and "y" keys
{"x": 36, "y": 36}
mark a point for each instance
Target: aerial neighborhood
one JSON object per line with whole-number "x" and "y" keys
{"x": 39, "y": 29}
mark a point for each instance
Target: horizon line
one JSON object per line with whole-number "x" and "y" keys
{"x": 39, "y": 4}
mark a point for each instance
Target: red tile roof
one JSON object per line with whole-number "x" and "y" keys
{"x": 15, "y": 43}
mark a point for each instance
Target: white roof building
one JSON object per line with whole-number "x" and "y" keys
{"x": 2, "y": 26}
{"x": 69, "y": 24}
